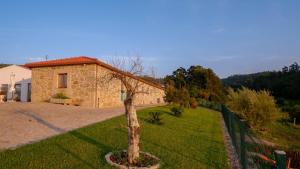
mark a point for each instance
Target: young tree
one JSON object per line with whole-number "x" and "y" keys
{"x": 129, "y": 71}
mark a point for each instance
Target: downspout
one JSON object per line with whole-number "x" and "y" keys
{"x": 96, "y": 95}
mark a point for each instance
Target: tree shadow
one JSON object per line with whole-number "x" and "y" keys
{"x": 75, "y": 156}
{"x": 42, "y": 121}
{"x": 102, "y": 149}
{"x": 90, "y": 140}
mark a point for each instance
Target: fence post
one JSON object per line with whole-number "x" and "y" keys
{"x": 243, "y": 144}
{"x": 233, "y": 132}
{"x": 229, "y": 123}
{"x": 280, "y": 157}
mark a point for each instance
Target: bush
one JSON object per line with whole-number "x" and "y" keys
{"x": 154, "y": 117}
{"x": 257, "y": 108}
{"x": 210, "y": 105}
{"x": 60, "y": 96}
{"x": 177, "y": 110}
{"x": 193, "y": 103}
{"x": 294, "y": 112}
{"x": 292, "y": 107}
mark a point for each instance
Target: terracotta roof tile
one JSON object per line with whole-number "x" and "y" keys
{"x": 62, "y": 62}
{"x": 84, "y": 60}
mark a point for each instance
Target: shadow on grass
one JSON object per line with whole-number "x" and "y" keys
{"x": 75, "y": 156}
{"x": 166, "y": 112}
{"x": 102, "y": 149}
{"x": 211, "y": 155}
{"x": 105, "y": 148}
{"x": 207, "y": 161}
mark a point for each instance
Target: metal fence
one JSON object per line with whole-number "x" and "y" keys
{"x": 251, "y": 151}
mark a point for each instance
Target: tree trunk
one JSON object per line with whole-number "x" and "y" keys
{"x": 133, "y": 132}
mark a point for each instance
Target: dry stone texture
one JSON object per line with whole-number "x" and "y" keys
{"x": 86, "y": 84}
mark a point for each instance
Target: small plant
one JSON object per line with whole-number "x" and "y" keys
{"x": 120, "y": 157}
{"x": 154, "y": 117}
{"x": 193, "y": 103}
{"x": 60, "y": 96}
{"x": 145, "y": 160}
{"x": 177, "y": 110}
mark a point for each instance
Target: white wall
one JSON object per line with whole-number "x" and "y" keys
{"x": 22, "y": 76}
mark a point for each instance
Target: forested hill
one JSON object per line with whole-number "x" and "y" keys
{"x": 284, "y": 83}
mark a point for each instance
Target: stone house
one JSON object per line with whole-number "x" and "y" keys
{"x": 80, "y": 79}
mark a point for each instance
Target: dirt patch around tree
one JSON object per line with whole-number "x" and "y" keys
{"x": 119, "y": 159}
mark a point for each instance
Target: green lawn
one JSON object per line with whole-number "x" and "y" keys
{"x": 284, "y": 135}
{"x": 192, "y": 141}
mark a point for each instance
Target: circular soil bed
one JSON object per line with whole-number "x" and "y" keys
{"x": 119, "y": 159}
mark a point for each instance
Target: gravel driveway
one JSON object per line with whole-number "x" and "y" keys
{"x": 23, "y": 123}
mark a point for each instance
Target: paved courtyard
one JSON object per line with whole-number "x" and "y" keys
{"x": 23, "y": 123}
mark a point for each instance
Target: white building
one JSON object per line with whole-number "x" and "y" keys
{"x": 21, "y": 77}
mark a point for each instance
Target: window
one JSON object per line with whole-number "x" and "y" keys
{"x": 123, "y": 95}
{"x": 62, "y": 80}
{"x": 3, "y": 89}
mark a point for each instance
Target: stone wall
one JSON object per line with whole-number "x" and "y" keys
{"x": 109, "y": 91}
{"x": 87, "y": 84}
{"x": 80, "y": 83}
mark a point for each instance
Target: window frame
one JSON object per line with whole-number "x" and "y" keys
{"x": 64, "y": 84}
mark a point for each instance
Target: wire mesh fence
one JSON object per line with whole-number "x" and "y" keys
{"x": 251, "y": 151}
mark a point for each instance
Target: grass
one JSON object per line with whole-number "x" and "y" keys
{"x": 193, "y": 141}
{"x": 284, "y": 134}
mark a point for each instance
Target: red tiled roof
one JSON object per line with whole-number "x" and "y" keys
{"x": 62, "y": 62}
{"x": 84, "y": 60}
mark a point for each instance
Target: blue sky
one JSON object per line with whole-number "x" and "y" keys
{"x": 229, "y": 36}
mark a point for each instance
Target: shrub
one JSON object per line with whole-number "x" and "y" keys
{"x": 210, "y": 105}
{"x": 294, "y": 112}
{"x": 60, "y": 96}
{"x": 193, "y": 103}
{"x": 154, "y": 117}
{"x": 257, "y": 108}
{"x": 177, "y": 110}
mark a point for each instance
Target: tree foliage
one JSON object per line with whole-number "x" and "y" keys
{"x": 4, "y": 65}
{"x": 284, "y": 83}
{"x": 258, "y": 108}
{"x": 192, "y": 84}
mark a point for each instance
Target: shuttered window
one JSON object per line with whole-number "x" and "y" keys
{"x": 62, "y": 80}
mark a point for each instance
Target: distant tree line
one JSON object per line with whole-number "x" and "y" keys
{"x": 3, "y": 65}
{"x": 153, "y": 79}
{"x": 186, "y": 87}
{"x": 284, "y": 83}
